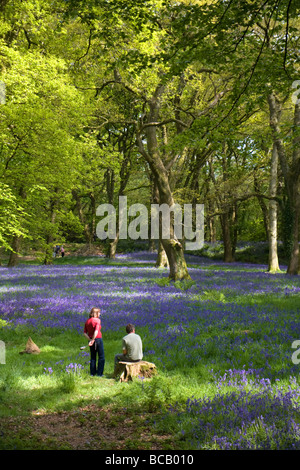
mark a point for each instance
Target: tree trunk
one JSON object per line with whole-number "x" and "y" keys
{"x": 162, "y": 259}
{"x": 86, "y": 228}
{"x": 112, "y": 247}
{"x": 293, "y": 266}
{"x": 225, "y": 224}
{"x": 234, "y": 224}
{"x": 14, "y": 255}
{"x": 151, "y": 246}
{"x": 263, "y": 206}
{"x": 48, "y": 260}
{"x": 93, "y": 210}
{"x": 110, "y": 185}
{"x": 126, "y": 371}
{"x": 291, "y": 175}
{"x": 172, "y": 247}
{"x": 272, "y": 231}
{"x": 211, "y": 223}
{"x": 212, "y": 230}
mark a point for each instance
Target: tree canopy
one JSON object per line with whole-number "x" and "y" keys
{"x": 163, "y": 101}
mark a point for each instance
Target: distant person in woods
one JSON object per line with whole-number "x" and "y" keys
{"x": 132, "y": 347}
{"x": 62, "y": 250}
{"x": 92, "y": 331}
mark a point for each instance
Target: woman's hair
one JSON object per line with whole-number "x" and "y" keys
{"x": 94, "y": 312}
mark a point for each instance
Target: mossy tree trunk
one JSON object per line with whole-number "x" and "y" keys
{"x": 172, "y": 246}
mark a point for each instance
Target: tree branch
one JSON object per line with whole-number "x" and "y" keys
{"x": 286, "y": 37}
{"x": 162, "y": 123}
{"x": 88, "y": 47}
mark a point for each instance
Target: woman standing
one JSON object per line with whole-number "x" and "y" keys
{"x": 92, "y": 331}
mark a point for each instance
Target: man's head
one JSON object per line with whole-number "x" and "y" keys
{"x": 130, "y": 328}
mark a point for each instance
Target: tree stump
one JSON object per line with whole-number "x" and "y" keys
{"x": 31, "y": 348}
{"x": 127, "y": 370}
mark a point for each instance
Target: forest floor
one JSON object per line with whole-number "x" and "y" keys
{"x": 80, "y": 430}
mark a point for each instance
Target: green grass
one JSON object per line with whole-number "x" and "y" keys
{"x": 27, "y": 390}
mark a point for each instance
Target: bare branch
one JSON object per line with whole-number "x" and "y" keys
{"x": 286, "y": 36}
{"x": 162, "y": 123}
{"x": 88, "y": 47}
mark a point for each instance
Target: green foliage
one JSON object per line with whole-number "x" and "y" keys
{"x": 156, "y": 395}
{"x": 11, "y": 217}
{"x": 184, "y": 284}
{"x": 67, "y": 383}
{"x": 79, "y": 77}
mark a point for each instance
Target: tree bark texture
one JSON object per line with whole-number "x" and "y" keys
{"x": 162, "y": 259}
{"x": 14, "y": 255}
{"x": 86, "y": 227}
{"x": 225, "y": 224}
{"x": 127, "y": 370}
{"x": 173, "y": 248}
{"x": 272, "y": 231}
{"x": 291, "y": 174}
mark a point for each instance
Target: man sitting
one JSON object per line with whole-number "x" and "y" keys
{"x": 132, "y": 347}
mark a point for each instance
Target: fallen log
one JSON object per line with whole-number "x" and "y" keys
{"x": 127, "y": 370}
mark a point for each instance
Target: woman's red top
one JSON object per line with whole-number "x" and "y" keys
{"x": 91, "y": 325}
